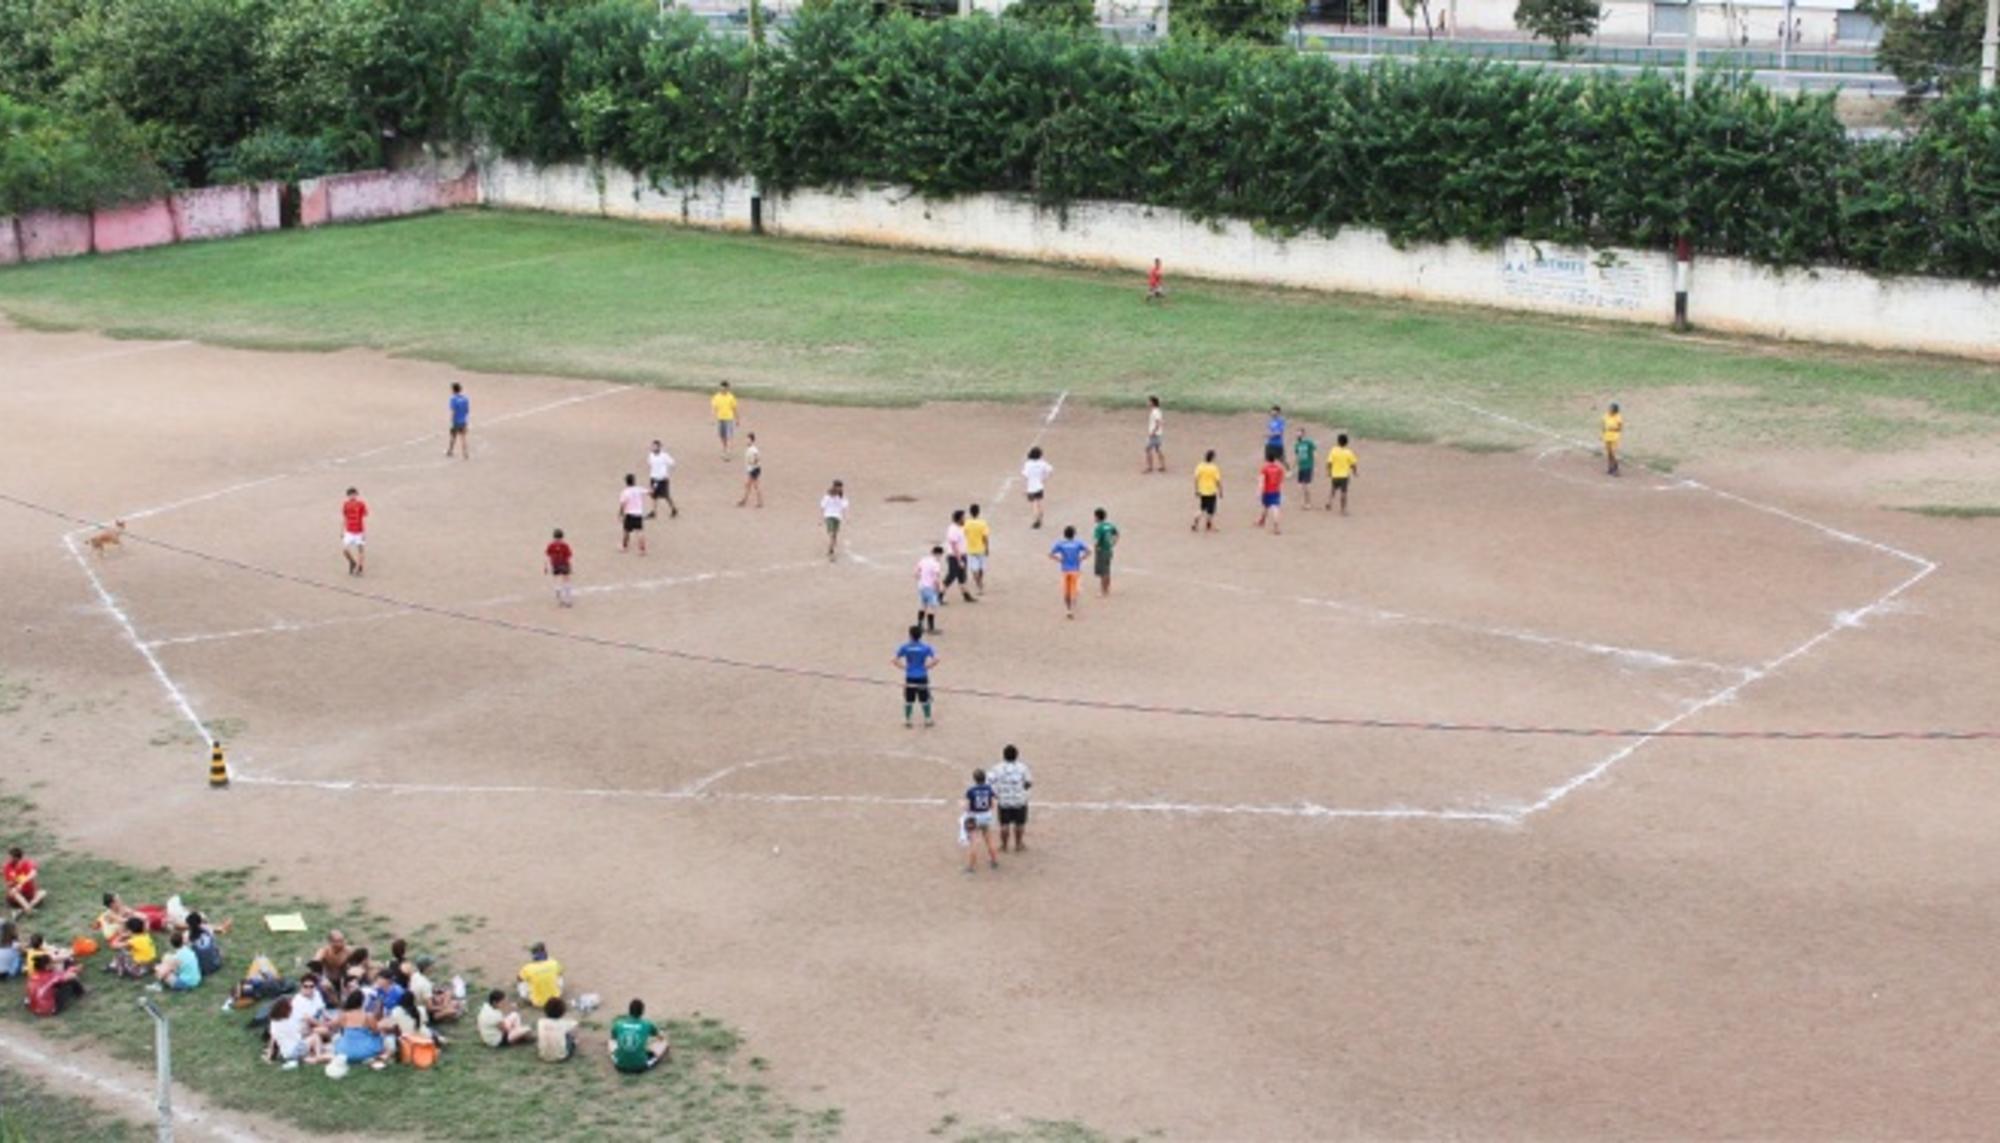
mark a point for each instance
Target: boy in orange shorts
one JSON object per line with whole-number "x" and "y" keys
{"x": 1069, "y": 552}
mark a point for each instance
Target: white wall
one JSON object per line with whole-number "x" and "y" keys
{"x": 1930, "y": 315}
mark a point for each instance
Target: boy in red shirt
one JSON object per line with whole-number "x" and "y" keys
{"x": 559, "y": 556}
{"x": 354, "y": 540}
{"x": 1156, "y": 283}
{"x": 1274, "y": 489}
{"x": 19, "y": 872}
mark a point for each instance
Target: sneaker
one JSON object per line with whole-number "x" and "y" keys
{"x": 291, "y": 1066}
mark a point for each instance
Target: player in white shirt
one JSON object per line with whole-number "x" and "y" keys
{"x": 1011, "y": 782}
{"x": 833, "y": 509}
{"x": 1156, "y": 433}
{"x": 753, "y": 472}
{"x": 955, "y": 568}
{"x": 632, "y": 510}
{"x": 660, "y": 470}
{"x": 1035, "y": 477}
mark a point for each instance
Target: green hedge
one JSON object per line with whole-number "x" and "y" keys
{"x": 50, "y": 161}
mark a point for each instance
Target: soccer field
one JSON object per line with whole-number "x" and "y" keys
{"x": 1244, "y": 913}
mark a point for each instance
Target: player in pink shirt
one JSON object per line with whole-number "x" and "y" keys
{"x": 930, "y": 588}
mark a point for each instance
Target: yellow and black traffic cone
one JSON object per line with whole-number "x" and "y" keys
{"x": 218, "y": 770}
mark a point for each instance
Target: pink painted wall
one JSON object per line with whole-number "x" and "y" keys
{"x": 268, "y": 195}
{"x": 132, "y": 227}
{"x": 10, "y": 241}
{"x": 313, "y": 199}
{"x": 363, "y": 195}
{"x": 47, "y": 234}
{"x": 216, "y": 212}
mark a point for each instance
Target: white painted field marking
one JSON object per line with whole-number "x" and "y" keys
{"x": 110, "y": 604}
{"x": 1613, "y": 487}
{"x": 281, "y": 627}
{"x": 1841, "y": 619}
{"x": 146, "y": 1096}
{"x": 110, "y": 354}
{"x": 656, "y": 583}
{"x": 504, "y": 418}
{"x": 1055, "y": 411}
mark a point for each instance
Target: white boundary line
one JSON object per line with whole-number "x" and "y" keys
{"x": 110, "y": 605}
{"x": 184, "y": 1117}
{"x": 1055, "y": 411}
{"x": 107, "y": 355}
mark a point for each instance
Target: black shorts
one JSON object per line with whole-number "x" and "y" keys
{"x": 914, "y": 691}
{"x": 661, "y": 490}
{"x": 1013, "y": 815}
{"x": 757, "y": 472}
{"x": 1208, "y": 505}
{"x": 1340, "y": 484}
{"x": 558, "y": 569}
{"x": 954, "y": 570}
{"x": 635, "y": 524}
{"x": 1035, "y": 495}
{"x": 458, "y": 430}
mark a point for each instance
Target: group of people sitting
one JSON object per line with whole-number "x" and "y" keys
{"x": 55, "y": 972}
{"x": 636, "y": 1044}
{"x": 347, "y": 1007}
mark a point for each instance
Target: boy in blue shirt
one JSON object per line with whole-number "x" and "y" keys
{"x": 1069, "y": 553}
{"x": 979, "y": 799}
{"x": 1274, "y": 436}
{"x": 916, "y": 658}
{"x": 461, "y": 411}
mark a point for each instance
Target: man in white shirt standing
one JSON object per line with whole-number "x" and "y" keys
{"x": 1035, "y": 477}
{"x": 833, "y": 509}
{"x": 632, "y": 510}
{"x": 1156, "y": 433}
{"x": 660, "y": 470}
{"x": 1011, "y": 782}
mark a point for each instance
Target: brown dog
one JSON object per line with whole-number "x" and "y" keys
{"x": 108, "y": 538}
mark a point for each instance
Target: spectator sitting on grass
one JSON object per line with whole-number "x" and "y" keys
{"x": 294, "y": 1039}
{"x": 442, "y": 1006}
{"x": 133, "y": 951}
{"x": 207, "y": 950}
{"x": 179, "y": 970}
{"x": 38, "y": 946}
{"x": 360, "y": 1040}
{"x": 384, "y": 993}
{"x": 555, "y": 1033}
{"x": 19, "y": 872}
{"x": 406, "y": 1018}
{"x": 111, "y": 922}
{"x": 541, "y": 978}
{"x": 499, "y": 1025}
{"x": 636, "y": 1042}
{"x": 52, "y": 988}
{"x": 13, "y": 961}
{"x": 334, "y": 955}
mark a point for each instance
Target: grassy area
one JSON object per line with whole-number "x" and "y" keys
{"x": 30, "y": 1111}
{"x": 625, "y": 301}
{"x": 1957, "y": 511}
{"x": 707, "y": 1091}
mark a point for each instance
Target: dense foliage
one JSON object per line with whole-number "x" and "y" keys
{"x": 1931, "y": 48}
{"x": 1233, "y": 21}
{"x": 1558, "y": 21}
{"x": 848, "y": 95}
{"x": 50, "y": 161}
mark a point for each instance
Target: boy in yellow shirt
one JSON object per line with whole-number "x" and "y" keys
{"x": 724, "y": 404}
{"x": 1341, "y": 467}
{"x": 1614, "y": 428}
{"x": 1207, "y": 491}
{"x": 978, "y": 542}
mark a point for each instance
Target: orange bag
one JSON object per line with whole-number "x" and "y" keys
{"x": 83, "y": 947}
{"x": 417, "y": 1051}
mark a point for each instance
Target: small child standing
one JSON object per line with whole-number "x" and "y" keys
{"x": 1273, "y": 490}
{"x": 1156, "y": 284}
{"x": 979, "y": 817}
{"x": 559, "y": 554}
{"x": 833, "y": 509}
{"x": 753, "y": 471}
{"x": 1068, "y": 554}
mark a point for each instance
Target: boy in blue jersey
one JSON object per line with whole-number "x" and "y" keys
{"x": 1069, "y": 553}
{"x": 916, "y": 658}
{"x": 461, "y": 413}
{"x": 1274, "y": 436}
{"x": 979, "y": 800}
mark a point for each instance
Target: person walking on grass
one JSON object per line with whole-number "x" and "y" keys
{"x": 660, "y": 471}
{"x": 978, "y": 542}
{"x": 1156, "y": 436}
{"x": 559, "y": 554}
{"x": 354, "y": 537}
{"x": 723, "y": 403}
{"x": 1068, "y": 554}
{"x": 1273, "y": 494}
{"x": 1341, "y": 468}
{"x": 1614, "y": 431}
{"x": 632, "y": 510}
{"x": 1103, "y": 538}
{"x": 753, "y": 472}
{"x": 930, "y": 588}
{"x": 979, "y": 800}
{"x": 1207, "y": 491}
{"x": 1011, "y": 783}
{"x": 833, "y": 509}
{"x": 954, "y": 557}
{"x": 916, "y": 658}
{"x": 1304, "y": 451}
{"x": 1035, "y": 478}
{"x": 461, "y": 414}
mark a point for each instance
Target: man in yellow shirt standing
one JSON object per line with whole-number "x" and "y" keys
{"x": 978, "y": 541}
{"x": 724, "y": 404}
{"x": 1614, "y": 428}
{"x": 1207, "y": 491}
{"x": 1341, "y": 466}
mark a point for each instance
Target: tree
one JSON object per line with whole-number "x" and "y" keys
{"x": 1558, "y": 21}
{"x": 1930, "y": 51}
{"x": 1250, "y": 21}
{"x": 1074, "y": 14}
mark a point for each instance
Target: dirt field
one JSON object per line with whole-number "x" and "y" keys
{"x": 1224, "y": 928}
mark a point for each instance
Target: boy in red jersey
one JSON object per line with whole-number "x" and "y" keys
{"x": 354, "y": 539}
{"x": 1273, "y": 475}
{"x": 559, "y": 555}
{"x": 1156, "y": 283}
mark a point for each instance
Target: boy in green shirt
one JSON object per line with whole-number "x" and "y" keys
{"x": 636, "y": 1042}
{"x": 1103, "y": 538}
{"x": 1305, "y": 449}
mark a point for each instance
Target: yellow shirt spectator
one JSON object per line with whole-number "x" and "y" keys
{"x": 544, "y": 980}
{"x": 1614, "y": 426}
{"x": 1341, "y": 462}
{"x": 976, "y": 532}
{"x": 141, "y": 948}
{"x": 1207, "y": 479}
{"x": 724, "y": 404}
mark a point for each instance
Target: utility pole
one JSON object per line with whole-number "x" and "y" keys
{"x": 1989, "y": 50}
{"x": 163, "y": 1058}
{"x": 1693, "y": 62}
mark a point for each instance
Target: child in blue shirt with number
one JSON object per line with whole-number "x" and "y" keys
{"x": 979, "y": 800}
{"x": 916, "y": 658}
{"x": 1069, "y": 553}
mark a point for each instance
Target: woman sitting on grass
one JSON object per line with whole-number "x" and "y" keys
{"x": 52, "y": 988}
{"x": 293, "y": 1038}
{"x": 359, "y": 1039}
{"x": 13, "y": 960}
{"x": 201, "y": 938}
